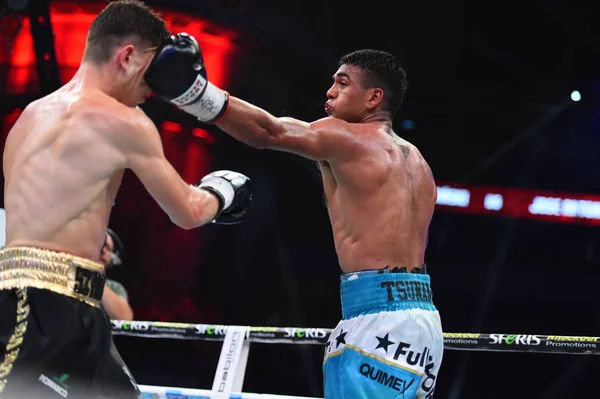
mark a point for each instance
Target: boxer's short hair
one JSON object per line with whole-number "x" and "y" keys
{"x": 382, "y": 70}
{"x": 120, "y": 20}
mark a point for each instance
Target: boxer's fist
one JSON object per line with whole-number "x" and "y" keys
{"x": 175, "y": 68}
{"x": 233, "y": 191}
{"x": 176, "y": 74}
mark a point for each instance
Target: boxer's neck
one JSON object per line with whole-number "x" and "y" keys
{"x": 94, "y": 77}
{"x": 377, "y": 116}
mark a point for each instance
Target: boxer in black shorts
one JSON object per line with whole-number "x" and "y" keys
{"x": 57, "y": 339}
{"x": 63, "y": 163}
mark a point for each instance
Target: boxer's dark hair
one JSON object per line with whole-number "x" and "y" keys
{"x": 382, "y": 70}
{"x": 121, "y": 20}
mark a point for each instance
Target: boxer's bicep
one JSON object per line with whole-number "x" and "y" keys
{"x": 260, "y": 129}
{"x": 256, "y": 127}
{"x": 324, "y": 140}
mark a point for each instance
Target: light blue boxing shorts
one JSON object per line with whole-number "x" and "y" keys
{"x": 389, "y": 343}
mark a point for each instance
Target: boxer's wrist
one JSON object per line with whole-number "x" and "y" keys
{"x": 209, "y": 106}
{"x": 221, "y": 189}
{"x": 232, "y": 189}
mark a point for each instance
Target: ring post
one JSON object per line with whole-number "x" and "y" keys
{"x": 232, "y": 357}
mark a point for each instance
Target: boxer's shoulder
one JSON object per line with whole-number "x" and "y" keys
{"x": 344, "y": 134}
{"x": 97, "y": 104}
{"x": 331, "y": 124}
{"x": 106, "y": 115}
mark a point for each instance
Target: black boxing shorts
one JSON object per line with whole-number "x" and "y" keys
{"x": 55, "y": 340}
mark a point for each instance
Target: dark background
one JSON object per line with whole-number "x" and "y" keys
{"x": 489, "y": 87}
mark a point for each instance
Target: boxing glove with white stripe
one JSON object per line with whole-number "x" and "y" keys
{"x": 233, "y": 191}
{"x": 177, "y": 74}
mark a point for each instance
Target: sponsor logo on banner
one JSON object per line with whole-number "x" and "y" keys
{"x": 515, "y": 339}
{"x": 216, "y": 330}
{"x": 461, "y": 335}
{"x": 571, "y": 342}
{"x": 170, "y": 324}
{"x": 305, "y": 333}
{"x": 131, "y": 325}
{"x": 263, "y": 332}
{"x": 566, "y": 338}
{"x": 169, "y": 328}
{"x": 461, "y": 338}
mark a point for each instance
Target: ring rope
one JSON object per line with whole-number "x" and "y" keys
{"x": 556, "y": 344}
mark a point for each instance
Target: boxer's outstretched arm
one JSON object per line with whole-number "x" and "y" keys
{"x": 187, "y": 206}
{"x": 177, "y": 74}
{"x": 327, "y": 139}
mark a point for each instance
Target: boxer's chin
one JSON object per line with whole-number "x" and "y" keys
{"x": 143, "y": 100}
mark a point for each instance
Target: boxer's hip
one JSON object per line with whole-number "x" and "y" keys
{"x": 375, "y": 291}
{"x": 54, "y": 338}
{"x": 62, "y": 273}
{"x": 390, "y": 341}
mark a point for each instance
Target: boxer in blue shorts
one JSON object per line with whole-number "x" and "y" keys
{"x": 381, "y": 197}
{"x": 389, "y": 343}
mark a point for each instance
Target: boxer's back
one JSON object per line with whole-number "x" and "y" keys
{"x": 61, "y": 174}
{"x": 381, "y": 203}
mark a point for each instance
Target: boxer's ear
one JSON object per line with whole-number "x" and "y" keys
{"x": 374, "y": 97}
{"x": 124, "y": 55}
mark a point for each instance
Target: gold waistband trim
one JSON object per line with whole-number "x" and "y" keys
{"x": 66, "y": 274}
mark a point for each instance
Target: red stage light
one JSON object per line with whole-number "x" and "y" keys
{"x": 173, "y": 127}
{"x": 70, "y": 22}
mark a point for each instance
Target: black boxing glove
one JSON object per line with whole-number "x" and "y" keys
{"x": 233, "y": 191}
{"x": 177, "y": 74}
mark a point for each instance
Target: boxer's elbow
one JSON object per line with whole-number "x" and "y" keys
{"x": 256, "y": 135}
{"x": 255, "y": 129}
{"x": 190, "y": 219}
{"x": 186, "y": 217}
{"x": 201, "y": 208}
{"x": 184, "y": 223}
{"x": 261, "y": 131}
{"x": 261, "y": 140}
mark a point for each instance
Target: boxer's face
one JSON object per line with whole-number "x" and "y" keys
{"x": 347, "y": 98}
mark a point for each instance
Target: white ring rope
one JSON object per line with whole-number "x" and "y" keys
{"x": 557, "y": 344}
{"x": 229, "y": 376}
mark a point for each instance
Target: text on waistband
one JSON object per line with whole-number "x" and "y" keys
{"x": 407, "y": 291}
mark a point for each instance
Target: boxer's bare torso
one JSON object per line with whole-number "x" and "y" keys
{"x": 63, "y": 164}
{"x": 380, "y": 191}
{"x": 380, "y": 203}
{"x": 62, "y": 172}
